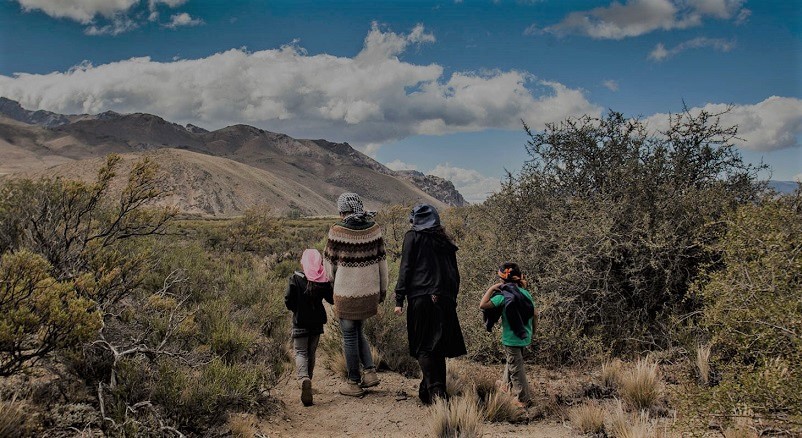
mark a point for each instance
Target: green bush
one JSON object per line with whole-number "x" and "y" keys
{"x": 753, "y": 313}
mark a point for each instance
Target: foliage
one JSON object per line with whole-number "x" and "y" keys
{"x": 38, "y": 314}
{"x": 753, "y": 312}
{"x": 610, "y": 222}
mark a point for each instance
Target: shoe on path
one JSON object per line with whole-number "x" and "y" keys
{"x": 369, "y": 379}
{"x": 351, "y": 389}
{"x": 306, "y": 392}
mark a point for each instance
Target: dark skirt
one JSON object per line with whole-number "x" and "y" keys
{"x": 434, "y": 327}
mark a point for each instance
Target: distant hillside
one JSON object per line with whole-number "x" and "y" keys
{"x": 215, "y": 173}
{"x": 783, "y": 187}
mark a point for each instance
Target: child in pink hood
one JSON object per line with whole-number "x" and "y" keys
{"x": 304, "y": 297}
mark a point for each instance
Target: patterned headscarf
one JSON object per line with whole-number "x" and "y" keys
{"x": 351, "y": 203}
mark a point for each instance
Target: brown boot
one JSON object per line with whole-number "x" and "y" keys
{"x": 369, "y": 379}
{"x": 351, "y": 389}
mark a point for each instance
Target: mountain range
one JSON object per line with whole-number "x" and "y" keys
{"x": 217, "y": 173}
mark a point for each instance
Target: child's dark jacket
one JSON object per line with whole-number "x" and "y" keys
{"x": 305, "y": 300}
{"x": 516, "y": 306}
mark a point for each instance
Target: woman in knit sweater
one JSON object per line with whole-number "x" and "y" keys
{"x": 355, "y": 261}
{"x": 429, "y": 280}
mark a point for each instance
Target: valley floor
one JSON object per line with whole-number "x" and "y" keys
{"x": 379, "y": 413}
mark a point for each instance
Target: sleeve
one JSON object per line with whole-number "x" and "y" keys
{"x": 328, "y": 293}
{"x": 405, "y": 268}
{"x": 383, "y": 276}
{"x": 290, "y": 295}
{"x": 497, "y": 300}
{"x": 329, "y": 266}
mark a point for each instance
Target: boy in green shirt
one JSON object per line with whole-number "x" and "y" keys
{"x": 514, "y": 304}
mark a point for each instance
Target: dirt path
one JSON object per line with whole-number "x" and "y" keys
{"x": 377, "y": 414}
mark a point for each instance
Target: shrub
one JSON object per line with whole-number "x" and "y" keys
{"x": 588, "y": 417}
{"x": 641, "y": 387}
{"x": 459, "y": 417}
{"x": 38, "y": 314}
{"x": 610, "y": 221}
{"x": 752, "y": 314}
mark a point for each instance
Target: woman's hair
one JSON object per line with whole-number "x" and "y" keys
{"x": 510, "y": 272}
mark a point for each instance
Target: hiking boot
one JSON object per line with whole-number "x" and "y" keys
{"x": 351, "y": 389}
{"x": 369, "y": 379}
{"x": 306, "y": 392}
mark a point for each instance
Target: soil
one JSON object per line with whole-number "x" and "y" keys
{"x": 379, "y": 413}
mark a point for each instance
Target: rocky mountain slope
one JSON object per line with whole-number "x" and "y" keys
{"x": 214, "y": 173}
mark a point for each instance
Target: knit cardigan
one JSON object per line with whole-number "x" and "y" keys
{"x": 356, "y": 262}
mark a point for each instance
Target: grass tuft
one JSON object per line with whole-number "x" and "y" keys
{"x": 588, "y": 418}
{"x": 611, "y": 374}
{"x": 703, "y": 363}
{"x": 641, "y": 387}
{"x": 460, "y": 417}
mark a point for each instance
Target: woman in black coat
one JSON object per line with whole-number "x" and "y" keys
{"x": 429, "y": 280}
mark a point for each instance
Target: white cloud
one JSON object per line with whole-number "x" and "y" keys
{"x": 638, "y": 17}
{"x": 371, "y": 98}
{"x": 610, "y": 85}
{"x": 474, "y": 186}
{"x": 659, "y": 53}
{"x": 118, "y": 25}
{"x": 400, "y": 165}
{"x": 107, "y": 17}
{"x": 183, "y": 19}
{"x": 82, "y": 11}
{"x": 772, "y": 124}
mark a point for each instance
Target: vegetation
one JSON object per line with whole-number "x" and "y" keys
{"x": 657, "y": 260}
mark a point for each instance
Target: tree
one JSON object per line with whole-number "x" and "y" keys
{"x": 611, "y": 221}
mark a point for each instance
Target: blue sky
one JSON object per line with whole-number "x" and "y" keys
{"x": 437, "y": 86}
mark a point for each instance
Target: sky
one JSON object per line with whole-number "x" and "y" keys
{"x": 438, "y": 86}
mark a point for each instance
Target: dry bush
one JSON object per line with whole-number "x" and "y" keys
{"x": 641, "y": 387}
{"x": 622, "y": 425}
{"x": 13, "y": 418}
{"x": 739, "y": 432}
{"x": 588, "y": 418}
{"x": 242, "y": 425}
{"x": 460, "y": 417}
{"x": 378, "y": 358}
{"x": 458, "y": 377}
{"x": 703, "y": 363}
{"x": 499, "y": 406}
{"x": 611, "y": 373}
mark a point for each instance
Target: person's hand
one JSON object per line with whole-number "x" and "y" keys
{"x": 398, "y": 310}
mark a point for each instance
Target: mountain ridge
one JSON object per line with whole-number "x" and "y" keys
{"x": 293, "y": 174}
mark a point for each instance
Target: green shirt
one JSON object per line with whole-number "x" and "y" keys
{"x": 508, "y": 337}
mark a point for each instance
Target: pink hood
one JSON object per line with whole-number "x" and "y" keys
{"x": 312, "y": 263}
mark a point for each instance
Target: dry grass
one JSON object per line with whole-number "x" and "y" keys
{"x": 335, "y": 361}
{"x": 588, "y": 418}
{"x": 641, "y": 387}
{"x": 458, "y": 418}
{"x": 13, "y": 419}
{"x": 623, "y": 425}
{"x": 703, "y": 363}
{"x": 458, "y": 376}
{"x": 499, "y": 406}
{"x": 739, "y": 432}
{"x": 378, "y": 358}
{"x": 242, "y": 425}
{"x": 611, "y": 373}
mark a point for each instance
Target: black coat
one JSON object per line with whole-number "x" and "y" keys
{"x": 308, "y": 314}
{"x": 428, "y": 267}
